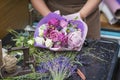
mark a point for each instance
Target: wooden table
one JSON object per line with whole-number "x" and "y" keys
{"x": 106, "y": 25}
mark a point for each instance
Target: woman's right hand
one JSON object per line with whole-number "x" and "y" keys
{"x": 74, "y": 16}
{"x": 41, "y": 7}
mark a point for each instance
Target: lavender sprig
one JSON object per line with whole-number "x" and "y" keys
{"x": 60, "y": 68}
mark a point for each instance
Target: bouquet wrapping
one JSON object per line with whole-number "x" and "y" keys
{"x": 56, "y": 33}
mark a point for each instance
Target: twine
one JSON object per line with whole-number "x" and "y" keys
{"x": 9, "y": 64}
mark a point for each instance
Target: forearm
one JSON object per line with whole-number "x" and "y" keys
{"x": 41, "y": 7}
{"x": 89, "y": 7}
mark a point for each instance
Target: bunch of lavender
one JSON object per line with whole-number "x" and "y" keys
{"x": 60, "y": 68}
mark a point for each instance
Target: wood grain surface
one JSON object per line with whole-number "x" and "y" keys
{"x": 13, "y": 14}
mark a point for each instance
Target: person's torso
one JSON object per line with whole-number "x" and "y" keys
{"x": 68, "y": 2}
{"x": 65, "y": 6}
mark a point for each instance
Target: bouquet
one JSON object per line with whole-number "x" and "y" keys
{"x": 58, "y": 34}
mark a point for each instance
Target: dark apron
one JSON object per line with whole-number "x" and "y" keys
{"x": 72, "y": 6}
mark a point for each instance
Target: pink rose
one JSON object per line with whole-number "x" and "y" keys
{"x": 54, "y": 35}
{"x": 74, "y": 39}
{"x": 47, "y": 32}
{"x": 63, "y": 38}
{"x": 63, "y": 23}
{"x": 54, "y": 22}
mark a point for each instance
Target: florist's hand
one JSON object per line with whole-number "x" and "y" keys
{"x": 74, "y": 16}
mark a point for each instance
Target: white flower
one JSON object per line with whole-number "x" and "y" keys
{"x": 40, "y": 40}
{"x": 41, "y": 29}
{"x": 43, "y": 26}
{"x": 20, "y": 53}
{"x": 48, "y": 43}
{"x": 41, "y": 32}
{"x": 31, "y": 42}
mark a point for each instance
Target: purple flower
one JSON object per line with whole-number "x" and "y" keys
{"x": 63, "y": 23}
{"x": 59, "y": 28}
{"x": 53, "y": 22}
{"x": 60, "y": 68}
{"x": 41, "y": 68}
{"x": 74, "y": 40}
{"x": 64, "y": 39}
{"x": 76, "y": 23}
{"x": 47, "y": 32}
{"x": 54, "y": 35}
{"x": 61, "y": 36}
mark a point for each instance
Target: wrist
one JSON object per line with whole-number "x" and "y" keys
{"x": 82, "y": 15}
{"x": 46, "y": 13}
